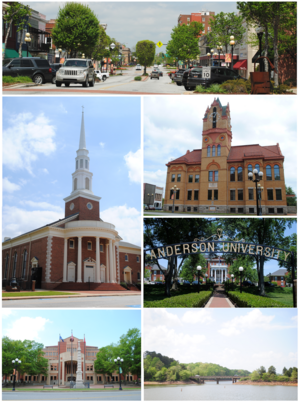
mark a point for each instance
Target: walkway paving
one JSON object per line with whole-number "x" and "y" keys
{"x": 219, "y": 299}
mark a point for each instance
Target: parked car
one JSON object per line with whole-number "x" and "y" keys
{"x": 160, "y": 73}
{"x": 101, "y": 75}
{"x": 154, "y": 74}
{"x": 78, "y": 71}
{"x": 186, "y": 282}
{"x": 178, "y": 76}
{"x": 247, "y": 283}
{"x": 37, "y": 68}
{"x": 218, "y": 76}
{"x": 268, "y": 284}
{"x": 158, "y": 282}
{"x": 195, "y": 282}
{"x": 171, "y": 74}
{"x": 138, "y": 67}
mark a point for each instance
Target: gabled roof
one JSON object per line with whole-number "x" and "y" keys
{"x": 191, "y": 157}
{"x": 280, "y": 272}
{"x": 128, "y": 245}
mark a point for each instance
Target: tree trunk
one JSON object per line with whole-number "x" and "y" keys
{"x": 266, "y": 48}
{"x": 275, "y": 44}
{"x": 261, "y": 277}
{"x": 168, "y": 276}
{"x": 6, "y": 37}
{"x": 21, "y": 43}
{"x": 145, "y": 70}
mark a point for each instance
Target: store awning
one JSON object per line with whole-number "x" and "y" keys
{"x": 11, "y": 53}
{"x": 241, "y": 65}
{"x": 24, "y": 54}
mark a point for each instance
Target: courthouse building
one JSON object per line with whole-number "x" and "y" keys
{"x": 78, "y": 252}
{"x": 215, "y": 177}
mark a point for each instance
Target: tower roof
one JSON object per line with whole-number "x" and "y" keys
{"x": 82, "y": 144}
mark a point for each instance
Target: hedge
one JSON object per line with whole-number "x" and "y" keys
{"x": 245, "y": 300}
{"x": 138, "y": 78}
{"x": 193, "y": 300}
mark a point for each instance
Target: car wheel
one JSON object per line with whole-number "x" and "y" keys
{"x": 67, "y": 84}
{"x": 53, "y": 80}
{"x": 178, "y": 83}
{"x": 38, "y": 79}
{"x": 58, "y": 84}
{"x": 103, "y": 78}
{"x": 92, "y": 83}
{"x": 86, "y": 83}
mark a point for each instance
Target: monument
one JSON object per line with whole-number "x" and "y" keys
{"x": 79, "y": 382}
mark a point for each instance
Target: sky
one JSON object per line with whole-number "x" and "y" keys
{"x": 171, "y": 127}
{"x": 130, "y": 22}
{"x": 101, "y": 327}
{"x": 40, "y": 140}
{"x": 233, "y": 338}
{"x": 270, "y": 266}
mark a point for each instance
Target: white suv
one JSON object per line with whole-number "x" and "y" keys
{"x": 79, "y": 71}
{"x": 138, "y": 67}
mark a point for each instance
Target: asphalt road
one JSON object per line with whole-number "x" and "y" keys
{"x": 116, "y": 84}
{"x": 130, "y": 301}
{"x": 73, "y": 396}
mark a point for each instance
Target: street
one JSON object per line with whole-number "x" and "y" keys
{"x": 133, "y": 301}
{"x": 123, "y": 84}
{"x": 91, "y": 395}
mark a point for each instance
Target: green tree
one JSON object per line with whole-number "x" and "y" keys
{"x": 294, "y": 375}
{"x": 261, "y": 371}
{"x": 255, "y": 376}
{"x": 104, "y": 363}
{"x": 161, "y": 375}
{"x": 248, "y": 265}
{"x": 266, "y": 377}
{"x": 130, "y": 351}
{"x": 76, "y": 29}
{"x": 185, "y": 375}
{"x": 102, "y": 48}
{"x": 272, "y": 370}
{"x": 189, "y": 267}
{"x": 184, "y": 41}
{"x": 145, "y": 51}
{"x": 222, "y": 27}
{"x": 284, "y": 370}
{"x": 291, "y": 201}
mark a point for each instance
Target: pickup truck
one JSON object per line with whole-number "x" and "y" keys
{"x": 101, "y": 76}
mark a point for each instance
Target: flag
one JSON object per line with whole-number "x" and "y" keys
{"x": 60, "y": 338}
{"x": 172, "y": 197}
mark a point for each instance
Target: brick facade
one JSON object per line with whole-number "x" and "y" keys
{"x": 80, "y": 206}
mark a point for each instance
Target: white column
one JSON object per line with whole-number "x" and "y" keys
{"x": 114, "y": 263}
{"x": 107, "y": 264}
{"x": 65, "y": 261}
{"x": 111, "y": 262}
{"x": 63, "y": 373}
{"x": 97, "y": 259}
{"x": 79, "y": 259}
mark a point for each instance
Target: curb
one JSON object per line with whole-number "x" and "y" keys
{"x": 65, "y": 296}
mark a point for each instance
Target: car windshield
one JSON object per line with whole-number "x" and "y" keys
{"x": 6, "y": 61}
{"x": 75, "y": 63}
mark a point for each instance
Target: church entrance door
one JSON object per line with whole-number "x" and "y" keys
{"x": 71, "y": 273}
{"x": 102, "y": 274}
{"x": 89, "y": 273}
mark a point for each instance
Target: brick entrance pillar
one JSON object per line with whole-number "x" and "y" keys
{"x": 65, "y": 261}
{"x": 79, "y": 259}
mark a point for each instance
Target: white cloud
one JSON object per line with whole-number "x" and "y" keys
{"x": 102, "y": 144}
{"x": 17, "y": 221}
{"x": 157, "y": 178}
{"x": 201, "y": 316}
{"x": 41, "y": 205}
{"x": 26, "y": 139}
{"x": 265, "y": 355}
{"x": 27, "y": 328}
{"x": 9, "y": 187}
{"x": 45, "y": 170}
{"x": 62, "y": 109}
{"x": 127, "y": 221}
{"x": 134, "y": 165}
{"x": 8, "y": 312}
{"x": 231, "y": 331}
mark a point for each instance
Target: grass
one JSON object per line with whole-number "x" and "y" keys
{"x": 69, "y": 389}
{"x": 14, "y": 80}
{"x": 275, "y": 296}
{"x": 35, "y": 294}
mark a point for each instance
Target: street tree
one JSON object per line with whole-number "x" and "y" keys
{"x": 77, "y": 29}
{"x": 272, "y": 370}
{"x": 104, "y": 363}
{"x": 184, "y": 41}
{"x": 222, "y": 27}
{"x": 247, "y": 263}
{"x": 145, "y": 52}
{"x": 17, "y": 14}
{"x": 291, "y": 201}
{"x": 102, "y": 48}
{"x": 130, "y": 351}
{"x": 189, "y": 267}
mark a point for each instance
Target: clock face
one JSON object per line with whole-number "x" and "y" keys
{"x": 89, "y": 206}
{"x": 71, "y": 206}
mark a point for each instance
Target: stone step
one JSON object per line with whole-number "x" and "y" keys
{"x": 89, "y": 287}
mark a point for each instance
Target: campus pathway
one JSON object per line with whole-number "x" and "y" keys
{"x": 219, "y": 299}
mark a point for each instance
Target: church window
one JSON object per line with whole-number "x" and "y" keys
{"x": 269, "y": 172}
{"x": 214, "y": 117}
{"x": 197, "y": 178}
{"x": 24, "y": 263}
{"x": 213, "y": 151}
{"x": 81, "y": 163}
{"x": 208, "y": 151}
{"x": 71, "y": 244}
{"x": 219, "y": 150}
{"x": 87, "y": 183}
{"x": 232, "y": 174}
{"x": 249, "y": 168}
{"x": 15, "y": 264}
{"x": 240, "y": 174}
{"x": 86, "y": 164}
{"x": 276, "y": 173}
{"x": 101, "y": 248}
{"x": 126, "y": 258}
{"x": 76, "y": 164}
{"x": 6, "y": 265}
{"x": 75, "y": 184}
{"x": 89, "y": 245}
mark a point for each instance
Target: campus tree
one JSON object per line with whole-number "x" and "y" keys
{"x": 145, "y": 52}
{"x": 291, "y": 201}
{"x": 247, "y": 263}
{"x": 76, "y": 29}
{"x": 189, "y": 267}
{"x": 222, "y": 27}
{"x": 130, "y": 351}
{"x": 104, "y": 363}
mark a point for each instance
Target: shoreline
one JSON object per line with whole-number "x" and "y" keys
{"x": 171, "y": 383}
{"x": 237, "y": 383}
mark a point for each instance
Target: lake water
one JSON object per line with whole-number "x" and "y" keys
{"x": 223, "y": 391}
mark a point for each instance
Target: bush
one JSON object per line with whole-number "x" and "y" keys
{"x": 237, "y": 86}
{"x": 193, "y": 300}
{"x": 291, "y": 82}
{"x": 124, "y": 285}
{"x": 281, "y": 89}
{"x": 274, "y": 283}
{"x": 214, "y": 88}
{"x": 245, "y": 300}
{"x": 138, "y": 78}
{"x": 145, "y": 74}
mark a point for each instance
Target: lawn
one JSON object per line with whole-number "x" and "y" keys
{"x": 278, "y": 294}
{"x": 15, "y": 80}
{"x": 35, "y": 294}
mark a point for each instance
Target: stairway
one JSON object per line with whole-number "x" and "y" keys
{"x": 89, "y": 287}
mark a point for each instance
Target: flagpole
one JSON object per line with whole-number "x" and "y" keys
{"x": 59, "y": 360}
{"x": 84, "y": 360}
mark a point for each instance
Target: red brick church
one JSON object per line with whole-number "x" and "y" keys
{"x": 79, "y": 251}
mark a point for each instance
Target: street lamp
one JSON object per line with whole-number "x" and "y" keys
{"x": 119, "y": 362}
{"x": 83, "y": 56}
{"x": 112, "y": 46}
{"x": 232, "y": 43}
{"x": 219, "y": 48}
{"x": 27, "y": 40}
{"x": 175, "y": 189}
{"x": 59, "y": 52}
{"x": 259, "y": 31}
{"x": 15, "y": 363}
{"x": 241, "y": 273}
{"x": 232, "y": 280}
{"x": 198, "y": 270}
{"x": 258, "y": 177}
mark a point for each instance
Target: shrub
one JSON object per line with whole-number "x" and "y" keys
{"x": 145, "y": 74}
{"x": 138, "y": 78}
{"x": 238, "y": 86}
{"x": 214, "y": 88}
{"x": 266, "y": 377}
{"x": 274, "y": 283}
{"x": 253, "y": 301}
{"x": 192, "y": 300}
{"x": 291, "y": 82}
{"x": 124, "y": 285}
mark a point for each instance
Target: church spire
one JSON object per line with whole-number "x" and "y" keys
{"x": 82, "y": 144}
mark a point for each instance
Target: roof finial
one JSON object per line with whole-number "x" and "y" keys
{"x": 82, "y": 144}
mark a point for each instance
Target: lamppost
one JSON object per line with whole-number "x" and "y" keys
{"x": 119, "y": 362}
{"x": 198, "y": 270}
{"x": 259, "y": 31}
{"x": 260, "y": 190}
{"x": 232, "y": 43}
{"x": 83, "y": 56}
{"x": 211, "y": 53}
{"x": 15, "y": 362}
{"x": 27, "y": 40}
{"x": 59, "y": 52}
{"x": 241, "y": 273}
{"x": 175, "y": 189}
{"x": 219, "y": 48}
{"x": 206, "y": 284}
{"x": 232, "y": 280}
{"x": 258, "y": 177}
{"x": 112, "y": 46}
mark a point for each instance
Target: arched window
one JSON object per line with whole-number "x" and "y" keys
{"x": 269, "y": 172}
{"x": 240, "y": 174}
{"x": 250, "y": 168}
{"x": 213, "y": 151}
{"x": 75, "y": 184}
{"x": 6, "y": 265}
{"x": 86, "y": 164}
{"x": 219, "y": 150}
{"x": 208, "y": 151}
{"x": 24, "y": 263}
{"x": 276, "y": 173}
{"x": 232, "y": 174}
{"x": 15, "y": 264}
{"x": 214, "y": 117}
{"x": 87, "y": 183}
{"x": 257, "y": 167}
{"x": 76, "y": 164}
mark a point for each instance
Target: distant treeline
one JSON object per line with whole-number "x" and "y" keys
{"x": 161, "y": 368}
{"x": 261, "y": 374}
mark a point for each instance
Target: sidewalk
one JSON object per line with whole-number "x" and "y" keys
{"x": 219, "y": 299}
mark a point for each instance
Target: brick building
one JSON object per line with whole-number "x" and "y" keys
{"x": 204, "y": 17}
{"x": 215, "y": 178}
{"x": 80, "y": 251}
{"x": 65, "y": 353}
{"x": 155, "y": 273}
{"x": 279, "y": 277}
